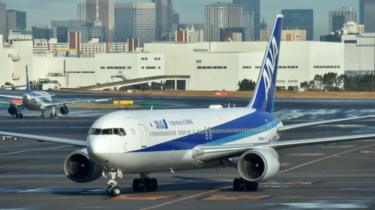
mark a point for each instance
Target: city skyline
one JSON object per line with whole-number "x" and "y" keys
{"x": 66, "y": 10}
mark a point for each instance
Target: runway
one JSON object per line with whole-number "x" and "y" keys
{"x": 333, "y": 176}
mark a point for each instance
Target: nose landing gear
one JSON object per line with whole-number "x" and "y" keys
{"x": 142, "y": 184}
{"x": 112, "y": 188}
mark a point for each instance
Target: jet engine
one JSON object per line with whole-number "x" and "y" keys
{"x": 79, "y": 168}
{"x": 12, "y": 110}
{"x": 64, "y": 109}
{"x": 259, "y": 164}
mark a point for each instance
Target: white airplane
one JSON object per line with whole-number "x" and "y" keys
{"x": 39, "y": 101}
{"x": 146, "y": 141}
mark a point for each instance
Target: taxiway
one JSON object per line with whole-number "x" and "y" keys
{"x": 333, "y": 176}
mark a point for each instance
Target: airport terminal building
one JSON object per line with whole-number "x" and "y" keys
{"x": 190, "y": 66}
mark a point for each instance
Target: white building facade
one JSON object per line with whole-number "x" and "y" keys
{"x": 209, "y": 65}
{"x": 359, "y": 53}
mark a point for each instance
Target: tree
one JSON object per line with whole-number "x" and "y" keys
{"x": 318, "y": 80}
{"x": 330, "y": 81}
{"x": 341, "y": 81}
{"x": 246, "y": 85}
{"x": 305, "y": 85}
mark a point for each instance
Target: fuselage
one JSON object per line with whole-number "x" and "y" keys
{"x": 36, "y": 100}
{"x": 165, "y": 139}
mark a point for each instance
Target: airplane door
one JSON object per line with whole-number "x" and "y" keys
{"x": 143, "y": 135}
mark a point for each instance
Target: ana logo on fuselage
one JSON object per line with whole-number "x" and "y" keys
{"x": 161, "y": 124}
{"x": 269, "y": 66}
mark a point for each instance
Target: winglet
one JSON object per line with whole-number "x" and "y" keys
{"x": 28, "y": 86}
{"x": 263, "y": 97}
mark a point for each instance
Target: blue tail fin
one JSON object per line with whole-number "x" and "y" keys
{"x": 263, "y": 97}
{"x": 28, "y": 86}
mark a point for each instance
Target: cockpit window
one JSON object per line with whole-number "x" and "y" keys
{"x": 108, "y": 131}
{"x": 119, "y": 131}
{"x": 96, "y": 131}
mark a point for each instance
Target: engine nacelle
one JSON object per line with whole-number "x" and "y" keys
{"x": 64, "y": 109}
{"x": 12, "y": 110}
{"x": 259, "y": 164}
{"x": 79, "y": 168}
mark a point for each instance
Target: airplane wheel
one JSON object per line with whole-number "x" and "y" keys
{"x": 136, "y": 185}
{"x": 243, "y": 185}
{"x": 236, "y": 184}
{"x": 21, "y": 116}
{"x": 153, "y": 185}
{"x": 113, "y": 191}
{"x": 145, "y": 184}
{"x": 251, "y": 186}
{"x": 109, "y": 190}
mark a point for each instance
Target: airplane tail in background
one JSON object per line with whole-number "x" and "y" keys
{"x": 263, "y": 97}
{"x": 28, "y": 86}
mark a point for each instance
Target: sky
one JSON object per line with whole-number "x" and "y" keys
{"x": 41, "y": 12}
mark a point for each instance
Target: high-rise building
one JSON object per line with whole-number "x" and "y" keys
{"x": 16, "y": 20}
{"x": 175, "y": 22}
{"x": 367, "y": 14}
{"x": 164, "y": 19}
{"x": 219, "y": 17}
{"x": 252, "y": 15}
{"x": 74, "y": 39}
{"x": 3, "y": 20}
{"x": 189, "y": 35}
{"x": 42, "y": 33}
{"x": 101, "y": 12}
{"x": 340, "y": 16}
{"x": 264, "y": 31}
{"x": 133, "y": 44}
{"x": 136, "y": 20}
{"x": 299, "y": 19}
{"x": 88, "y": 30}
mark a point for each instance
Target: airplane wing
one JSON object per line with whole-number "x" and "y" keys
{"x": 206, "y": 153}
{"x": 77, "y": 101}
{"x": 322, "y": 122}
{"x": 11, "y": 96}
{"x": 72, "y": 142}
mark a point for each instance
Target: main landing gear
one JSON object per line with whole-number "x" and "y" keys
{"x": 19, "y": 115}
{"x": 145, "y": 184}
{"x": 112, "y": 188}
{"x": 240, "y": 184}
{"x": 53, "y": 113}
{"x": 142, "y": 184}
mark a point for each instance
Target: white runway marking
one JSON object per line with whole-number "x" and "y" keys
{"x": 34, "y": 150}
{"x": 325, "y": 158}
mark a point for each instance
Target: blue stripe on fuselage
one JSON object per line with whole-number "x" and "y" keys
{"x": 259, "y": 121}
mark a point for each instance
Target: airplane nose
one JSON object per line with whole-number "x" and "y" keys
{"x": 97, "y": 148}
